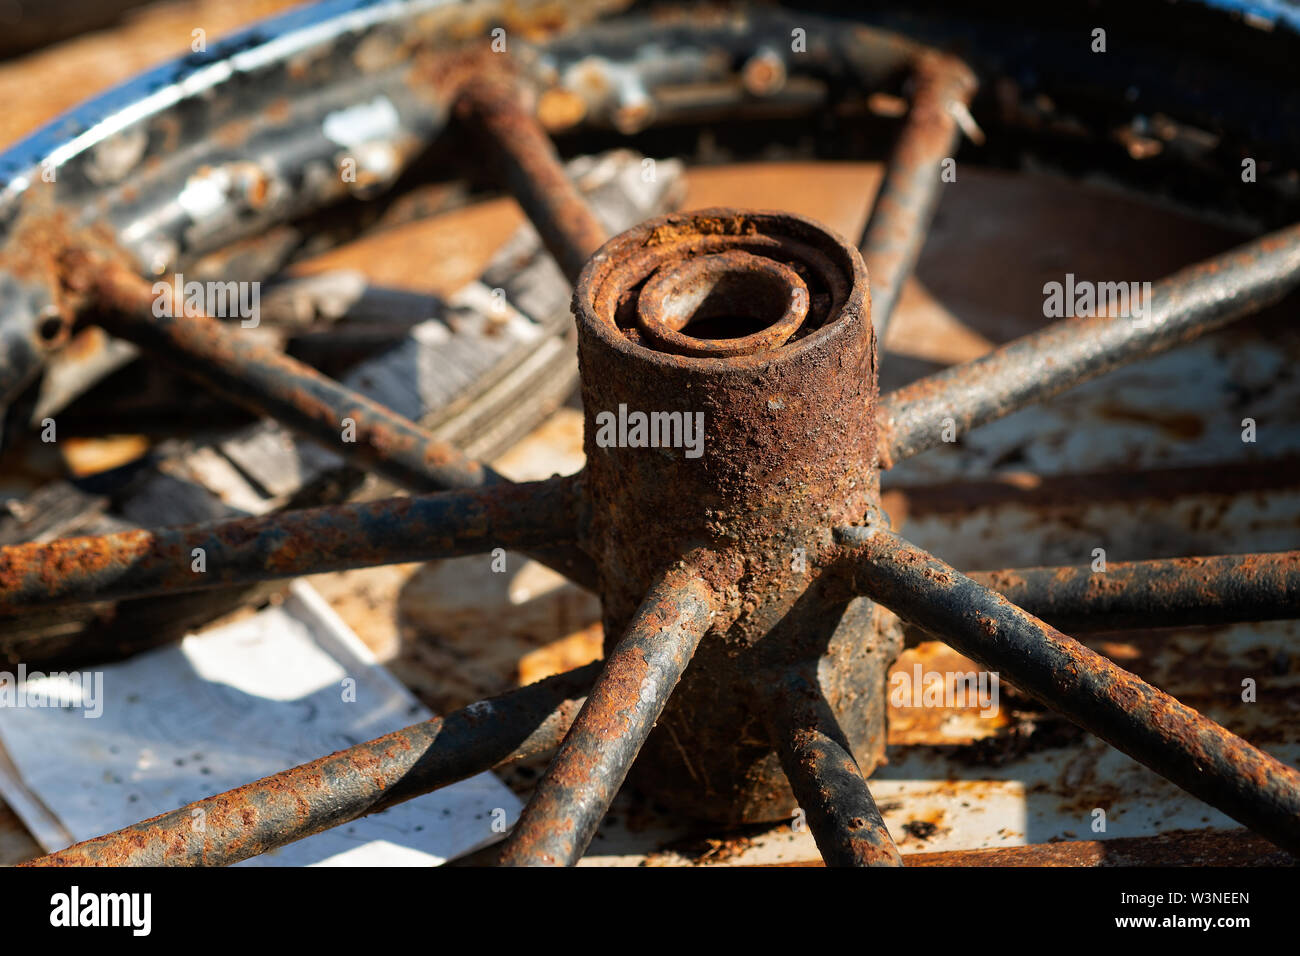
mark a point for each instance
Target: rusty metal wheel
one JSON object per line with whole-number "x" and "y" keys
{"x": 730, "y": 514}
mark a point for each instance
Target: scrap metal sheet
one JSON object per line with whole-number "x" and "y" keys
{"x": 223, "y": 708}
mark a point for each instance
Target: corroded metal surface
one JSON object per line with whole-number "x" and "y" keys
{"x": 734, "y": 290}
{"x": 786, "y": 444}
{"x": 307, "y": 541}
{"x": 259, "y": 126}
{"x": 635, "y": 682}
{"x": 494, "y": 104}
{"x": 364, "y": 779}
{"x": 909, "y": 194}
{"x": 787, "y": 427}
{"x": 1177, "y": 591}
{"x": 36, "y": 311}
{"x": 824, "y": 776}
{"x": 797, "y": 340}
{"x": 1065, "y": 354}
{"x": 266, "y": 380}
{"x": 1125, "y": 711}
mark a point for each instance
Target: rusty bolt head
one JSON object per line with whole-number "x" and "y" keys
{"x": 764, "y": 73}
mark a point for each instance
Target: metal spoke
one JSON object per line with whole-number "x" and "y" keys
{"x": 628, "y": 697}
{"x": 1037, "y": 366}
{"x": 905, "y": 204}
{"x": 269, "y": 382}
{"x": 244, "y": 370}
{"x": 1153, "y": 728}
{"x": 266, "y": 548}
{"x": 533, "y": 171}
{"x": 328, "y": 792}
{"x": 825, "y": 778}
{"x": 1223, "y": 589}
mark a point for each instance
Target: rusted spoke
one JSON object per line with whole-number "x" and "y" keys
{"x": 138, "y": 563}
{"x": 367, "y": 778}
{"x": 904, "y": 206}
{"x": 269, "y": 382}
{"x": 628, "y": 697}
{"x": 1223, "y": 589}
{"x": 1153, "y": 728}
{"x": 265, "y": 380}
{"x": 494, "y": 105}
{"x": 825, "y": 778}
{"x": 1037, "y": 366}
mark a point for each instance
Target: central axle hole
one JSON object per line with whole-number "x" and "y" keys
{"x": 731, "y": 303}
{"x": 729, "y": 306}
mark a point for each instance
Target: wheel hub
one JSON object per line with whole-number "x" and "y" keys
{"x": 787, "y": 451}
